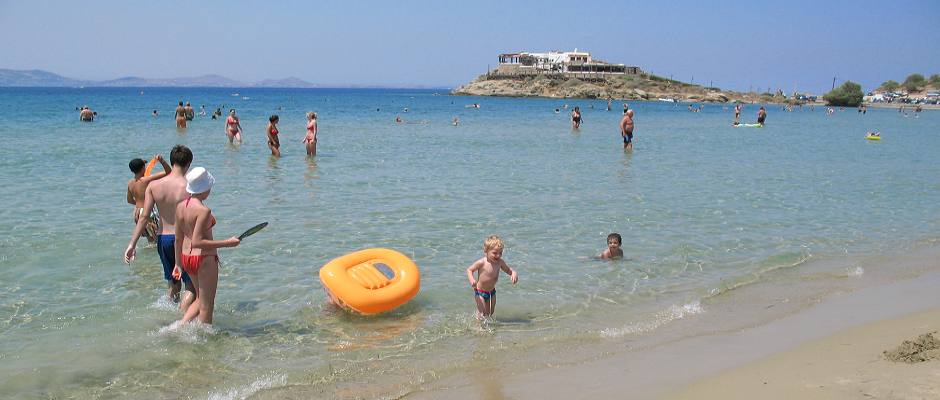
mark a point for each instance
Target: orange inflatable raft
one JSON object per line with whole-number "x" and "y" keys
{"x": 354, "y": 281}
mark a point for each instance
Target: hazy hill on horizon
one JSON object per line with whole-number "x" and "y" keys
{"x": 40, "y": 78}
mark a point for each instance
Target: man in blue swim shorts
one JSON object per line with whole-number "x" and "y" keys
{"x": 626, "y": 128}
{"x": 166, "y": 193}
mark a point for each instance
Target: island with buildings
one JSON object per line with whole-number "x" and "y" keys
{"x": 576, "y": 74}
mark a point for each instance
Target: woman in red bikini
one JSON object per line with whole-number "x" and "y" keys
{"x": 273, "y": 142}
{"x": 195, "y": 248}
{"x": 233, "y": 127}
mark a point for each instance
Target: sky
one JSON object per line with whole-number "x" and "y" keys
{"x": 738, "y": 45}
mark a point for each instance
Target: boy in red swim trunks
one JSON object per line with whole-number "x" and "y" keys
{"x": 487, "y": 273}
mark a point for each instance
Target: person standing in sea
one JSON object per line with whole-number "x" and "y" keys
{"x": 233, "y": 128}
{"x": 310, "y": 140}
{"x": 761, "y": 115}
{"x": 165, "y": 194}
{"x": 626, "y": 127}
{"x": 190, "y": 112}
{"x": 576, "y": 118}
{"x": 737, "y": 113}
{"x": 274, "y": 143}
{"x": 180, "y": 116}
{"x": 196, "y": 250}
{"x": 86, "y": 114}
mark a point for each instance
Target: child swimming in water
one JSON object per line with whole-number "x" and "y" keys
{"x": 613, "y": 249}
{"x": 487, "y": 273}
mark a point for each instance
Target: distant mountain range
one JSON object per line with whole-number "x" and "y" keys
{"x": 39, "y": 78}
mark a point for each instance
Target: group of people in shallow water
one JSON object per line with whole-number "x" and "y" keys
{"x": 170, "y": 210}
{"x": 233, "y": 128}
{"x": 188, "y": 250}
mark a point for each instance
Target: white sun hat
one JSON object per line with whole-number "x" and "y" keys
{"x": 198, "y": 180}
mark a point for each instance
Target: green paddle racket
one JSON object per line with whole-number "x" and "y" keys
{"x": 253, "y": 230}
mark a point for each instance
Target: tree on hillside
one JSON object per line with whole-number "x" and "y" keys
{"x": 934, "y": 80}
{"x": 889, "y": 86}
{"x": 848, "y": 95}
{"x": 914, "y": 82}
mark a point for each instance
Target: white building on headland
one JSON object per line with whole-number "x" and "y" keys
{"x": 579, "y": 62}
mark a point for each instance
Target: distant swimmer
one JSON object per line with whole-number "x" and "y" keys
{"x": 557, "y": 111}
{"x": 398, "y": 120}
{"x": 233, "y": 128}
{"x": 456, "y": 121}
{"x": 137, "y": 189}
{"x": 154, "y": 113}
{"x": 274, "y": 143}
{"x": 165, "y": 194}
{"x": 626, "y": 128}
{"x": 180, "y": 116}
{"x": 608, "y": 103}
{"x": 190, "y": 113}
{"x": 761, "y": 116}
{"x": 86, "y": 114}
{"x": 474, "y": 105}
{"x": 576, "y": 118}
{"x": 217, "y": 113}
{"x": 405, "y": 109}
{"x": 310, "y": 140}
{"x": 202, "y": 110}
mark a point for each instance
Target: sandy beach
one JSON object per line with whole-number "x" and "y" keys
{"x": 849, "y": 364}
{"x": 832, "y": 350}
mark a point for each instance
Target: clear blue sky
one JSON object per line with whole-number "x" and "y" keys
{"x": 782, "y": 44}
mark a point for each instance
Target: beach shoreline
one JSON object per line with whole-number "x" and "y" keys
{"x": 849, "y": 364}
{"x": 710, "y": 365}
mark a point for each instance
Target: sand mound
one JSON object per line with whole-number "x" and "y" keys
{"x": 925, "y": 348}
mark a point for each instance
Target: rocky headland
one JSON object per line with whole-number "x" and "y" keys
{"x": 630, "y": 87}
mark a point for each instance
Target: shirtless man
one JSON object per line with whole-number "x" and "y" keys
{"x": 136, "y": 188}
{"x": 190, "y": 113}
{"x": 626, "y": 128}
{"x": 165, "y": 194}
{"x": 86, "y": 115}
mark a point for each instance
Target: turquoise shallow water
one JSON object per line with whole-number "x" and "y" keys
{"x": 703, "y": 207}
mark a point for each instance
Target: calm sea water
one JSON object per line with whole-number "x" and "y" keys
{"x": 703, "y": 208}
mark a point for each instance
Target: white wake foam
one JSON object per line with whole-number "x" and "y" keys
{"x": 661, "y": 318}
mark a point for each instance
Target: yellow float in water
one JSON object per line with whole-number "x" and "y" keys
{"x": 354, "y": 282}
{"x": 872, "y": 137}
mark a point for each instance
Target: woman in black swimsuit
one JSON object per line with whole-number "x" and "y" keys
{"x": 576, "y": 118}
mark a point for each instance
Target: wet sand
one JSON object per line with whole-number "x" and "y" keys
{"x": 850, "y": 364}
{"x": 831, "y": 350}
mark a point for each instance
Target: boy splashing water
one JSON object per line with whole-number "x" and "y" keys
{"x": 487, "y": 273}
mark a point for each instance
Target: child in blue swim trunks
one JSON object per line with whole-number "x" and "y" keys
{"x": 486, "y": 272}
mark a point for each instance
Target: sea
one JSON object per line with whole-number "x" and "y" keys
{"x": 718, "y": 224}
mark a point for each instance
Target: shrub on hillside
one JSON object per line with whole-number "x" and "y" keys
{"x": 889, "y": 86}
{"x": 934, "y": 80}
{"x": 848, "y": 95}
{"x": 914, "y": 82}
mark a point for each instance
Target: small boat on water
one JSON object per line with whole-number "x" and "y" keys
{"x": 667, "y": 100}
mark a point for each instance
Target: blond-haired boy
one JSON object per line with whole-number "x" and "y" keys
{"x": 487, "y": 273}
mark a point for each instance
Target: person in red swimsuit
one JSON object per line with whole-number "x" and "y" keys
{"x": 310, "y": 140}
{"x": 195, "y": 248}
{"x": 233, "y": 127}
{"x": 273, "y": 142}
